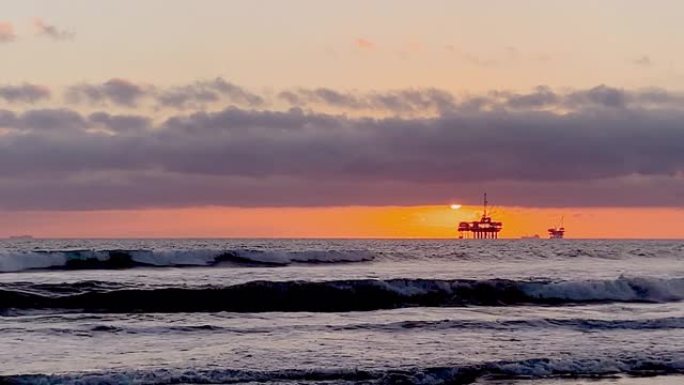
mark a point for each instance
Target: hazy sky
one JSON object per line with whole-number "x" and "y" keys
{"x": 456, "y": 45}
{"x": 127, "y": 107}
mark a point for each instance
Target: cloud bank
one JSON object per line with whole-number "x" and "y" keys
{"x": 419, "y": 102}
{"x": 595, "y": 147}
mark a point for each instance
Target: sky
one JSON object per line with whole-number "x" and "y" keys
{"x": 175, "y": 118}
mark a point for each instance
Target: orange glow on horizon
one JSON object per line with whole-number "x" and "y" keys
{"x": 341, "y": 222}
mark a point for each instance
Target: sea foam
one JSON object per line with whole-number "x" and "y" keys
{"x": 16, "y": 261}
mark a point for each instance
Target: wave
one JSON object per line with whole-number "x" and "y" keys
{"x": 593, "y": 367}
{"x": 536, "y": 324}
{"x": 60, "y": 255}
{"x": 335, "y": 296}
{"x": 123, "y": 259}
{"x": 576, "y": 324}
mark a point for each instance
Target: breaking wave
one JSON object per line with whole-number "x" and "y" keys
{"x": 332, "y": 296}
{"x": 123, "y": 259}
{"x": 594, "y": 367}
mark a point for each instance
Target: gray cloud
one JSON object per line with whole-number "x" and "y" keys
{"x": 24, "y": 93}
{"x": 203, "y": 92}
{"x": 541, "y": 97}
{"x": 405, "y": 103}
{"x": 197, "y": 95}
{"x": 643, "y": 61}
{"x": 118, "y": 91}
{"x": 599, "y": 97}
{"x": 421, "y": 102}
{"x": 55, "y": 120}
{"x": 120, "y": 124}
{"x": 144, "y": 190}
{"x": 401, "y": 101}
{"x": 609, "y": 150}
{"x": 8, "y": 119}
{"x": 51, "y": 31}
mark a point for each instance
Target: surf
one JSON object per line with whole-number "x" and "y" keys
{"x": 337, "y": 295}
{"x": 85, "y": 259}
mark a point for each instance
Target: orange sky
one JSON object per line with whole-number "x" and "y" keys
{"x": 342, "y": 222}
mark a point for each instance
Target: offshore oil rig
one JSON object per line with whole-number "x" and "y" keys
{"x": 485, "y": 228}
{"x": 557, "y": 232}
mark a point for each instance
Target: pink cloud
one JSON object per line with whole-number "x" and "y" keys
{"x": 362, "y": 43}
{"x": 48, "y": 30}
{"x": 7, "y": 33}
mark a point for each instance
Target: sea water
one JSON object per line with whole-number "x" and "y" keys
{"x": 532, "y": 312}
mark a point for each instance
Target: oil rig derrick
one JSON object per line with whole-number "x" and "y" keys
{"x": 485, "y": 228}
{"x": 557, "y": 232}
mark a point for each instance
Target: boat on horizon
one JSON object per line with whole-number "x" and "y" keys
{"x": 24, "y": 237}
{"x": 535, "y": 236}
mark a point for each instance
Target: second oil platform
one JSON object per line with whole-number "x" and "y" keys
{"x": 557, "y": 232}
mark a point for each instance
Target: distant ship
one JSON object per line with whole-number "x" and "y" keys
{"x": 485, "y": 228}
{"x": 535, "y": 236}
{"x": 20, "y": 237}
{"x": 557, "y": 232}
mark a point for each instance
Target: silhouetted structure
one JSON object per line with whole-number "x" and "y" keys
{"x": 485, "y": 228}
{"x": 557, "y": 232}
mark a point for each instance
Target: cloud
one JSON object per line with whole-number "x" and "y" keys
{"x": 364, "y": 44}
{"x": 202, "y": 93}
{"x": 121, "y": 92}
{"x": 7, "y": 33}
{"x": 599, "y": 97}
{"x": 55, "y": 121}
{"x": 612, "y": 148}
{"x": 404, "y": 102}
{"x": 197, "y": 95}
{"x": 48, "y": 30}
{"x": 642, "y": 61}
{"x": 24, "y": 93}
{"x": 120, "y": 124}
{"x": 541, "y": 97}
{"x": 431, "y": 101}
{"x": 480, "y": 61}
{"x": 145, "y": 190}
{"x": 8, "y": 119}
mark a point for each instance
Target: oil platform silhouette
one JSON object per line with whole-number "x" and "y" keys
{"x": 485, "y": 228}
{"x": 557, "y": 232}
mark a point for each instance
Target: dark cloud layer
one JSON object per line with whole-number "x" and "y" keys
{"x": 611, "y": 148}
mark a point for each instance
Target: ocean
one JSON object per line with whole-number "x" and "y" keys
{"x": 532, "y": 312}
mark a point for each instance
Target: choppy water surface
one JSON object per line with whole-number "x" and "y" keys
{"x": 281, "y": 311}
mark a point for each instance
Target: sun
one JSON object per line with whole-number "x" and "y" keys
{"x": 455, "y": 206}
